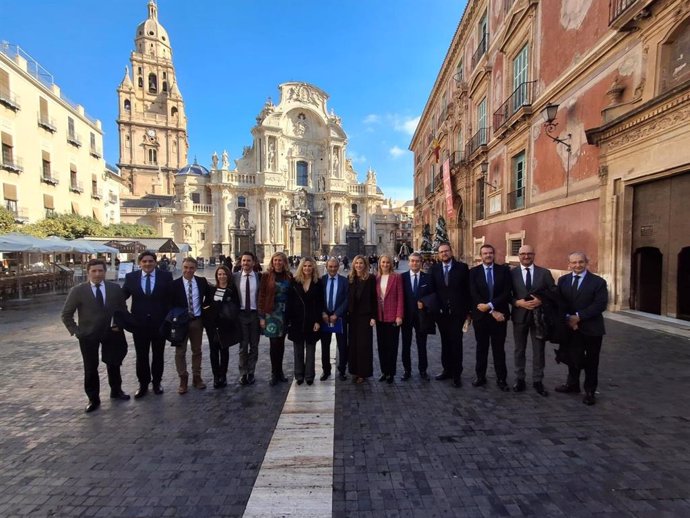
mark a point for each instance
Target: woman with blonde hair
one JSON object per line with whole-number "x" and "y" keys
{"x": 362, "y": 307}
{"x": 391, "y": 308}
{"x": 304, "y": 309}
{"x": 273, "y": 296}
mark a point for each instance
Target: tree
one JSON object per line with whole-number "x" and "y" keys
{"x": 73, "y": 226}
{"x": 6, "y": 221}
{"x": 130, "y": 230}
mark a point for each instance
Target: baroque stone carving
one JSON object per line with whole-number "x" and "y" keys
{"x": 653, "y": 127}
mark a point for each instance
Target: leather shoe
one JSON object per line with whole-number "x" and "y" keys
{"x": 244, "y": 380}
{"x": 251, "y": 379}
{"x": 310, "y": 382}
{"x": 567, "y": 389}
{"x": 300, "y": 381}
{"x": 457, "y": 382}
{"x": 282, "y": 378}
{"x": 158, "y": 390}
{"x": 92, "y": 405}
{"x": 443, "y": 376}
{"x": 502, "y": 385}
{"x": 119, "y": 395}
{"x": 390, "y": 379}
{"x": 406, "y": 376}
{"x": 342, "y": 376}
{"x": 520, "y": 386}
{"x": 589, "y": 399}
{"x": 383, "y": 377}
{"x": 424, "y": 376}
{"x": 478, "y": 382}
{"x": 273, "y": 381}
{"x": 141, "y": 392}
{"x": 325, "y": 376}
{"x": 539, "y": 387}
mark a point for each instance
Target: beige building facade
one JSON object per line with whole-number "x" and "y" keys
{"x": 52, "y": 151}
{"x": 603, "y": 169}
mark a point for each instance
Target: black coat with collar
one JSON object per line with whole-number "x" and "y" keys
{"x": 179, "y": 294}
{"x": 148, "y": 310}
{"x": 479, "y": 290}
{"x": 303, "y": 310}
{"x": 453, "y": 299}
{"x": 589, "y": 303}
{"x": 425, "y": 287}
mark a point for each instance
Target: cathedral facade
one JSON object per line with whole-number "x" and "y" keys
{"x": 292, "y": 190}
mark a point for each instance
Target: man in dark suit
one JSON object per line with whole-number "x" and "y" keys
{"x": 247, "y": 283}
{"x": 335, "y": 295}
{"x": 451, "y": 280}
{"x": 490, "y": 286}
{"x": 149, "y": 288}
{"x": 585, "y": 296}
{"x": 189, "y": 291}
{"x": 95, "y": 302}
{"x": 416, "y": 286}
{"x": 527, "y": 279}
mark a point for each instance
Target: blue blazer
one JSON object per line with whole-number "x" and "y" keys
{"x": 589, "y": 303}
{"x": 340, "y": 297}
{"x": 425, "y": 287}
{"x": 148, "y": 310}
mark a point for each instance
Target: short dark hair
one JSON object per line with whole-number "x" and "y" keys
{"x": 96, "y": 262}
{"x": 190, "y": 260}
{"x": 250, "y": 254}
{"x": 146, "y": 253}
{"x": 487, "y": 245}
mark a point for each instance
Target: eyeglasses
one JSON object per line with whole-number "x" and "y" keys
{"x": 525, "y": 255}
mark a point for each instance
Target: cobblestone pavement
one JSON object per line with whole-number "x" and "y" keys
{"x": 429, "y": 449}
{"x": 194, "y": 455}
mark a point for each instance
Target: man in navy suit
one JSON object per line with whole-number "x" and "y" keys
{"x": 416, "y": 286}
{"x": 335, "y": 294}
{"x": 150, "y": 291}
{"x": 490, "y": 286}
{"x": 189, "y": 291}
{"x": 247, "y": 282}
{"x": 451, "y": 280}
{"x": 585, "y": 296}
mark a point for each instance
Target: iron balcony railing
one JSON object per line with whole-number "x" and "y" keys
{"x": 50, "y": 177}
{"x": 74, "y": 139}
{"x": 95, "y": 152}
{"x": 516, "y": 199}
{"x": 427, "y": 191}
{"x": 479, "y": 139}
{"x": 12, "y": 164}
{"x": 21, "y": 214}
{"x": 47, "y": 123}
{"x": 77, "y": 187}
{"x": 521, "y": 96}
{"x": 481, "y": 50}
{"x": 438, "y": 181}
{"x": 618, "y": 7}
{"x": 457, "y": 158}
{"x": 9, "y": 99}
{"x": 96, "y": 193}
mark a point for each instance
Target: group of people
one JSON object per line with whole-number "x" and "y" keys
{"x": 306, "y": 308}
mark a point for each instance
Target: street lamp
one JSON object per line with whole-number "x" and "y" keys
{"x": 550, "y": 113}
{"x": 484, "y": 167}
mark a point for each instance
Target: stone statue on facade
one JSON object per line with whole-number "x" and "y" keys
{"x": 441, "y": 233}
{"x": 426, "y": 245}
{"x": 243, "y": 222}
{"x": 226, "y": 160}
{"x": 214, "y": 160}
{"x": 271, "y": 154}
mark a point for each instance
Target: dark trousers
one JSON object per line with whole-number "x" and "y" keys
{"x": 277, "y": 351}
{"x": 590, "y": 349}
{"x": 249, "y": 343}
{"x": 220, "y": 357}
{"x": 450, "y": 329}
{"x": 305, "y": 354}
{"x": 143, "y": 343}
{"x": 92, "y": 382}
{"x": 520, "y": 332}
{"x": 420, "y": 336}
{"x": 341, "y": 340}
{"x": 387, "y": 338}
{"x": 489, "y": 332}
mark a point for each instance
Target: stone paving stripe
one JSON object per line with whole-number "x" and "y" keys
{"x": 296, "y": 476}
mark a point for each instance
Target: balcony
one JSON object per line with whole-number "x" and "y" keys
{"x": 21, "y": 214}
{"x": 49, "y": 177}
{"x": 77, "y": 187}
{"x": 521, "y": 98}
{"x": 477, "y": 141}
{"x": 47, "y": 123}
{"x": 481, "y": 50}
{"x": 9, "y": 100}
{"x": 95, "y": 152}
{"x": 96, "y": 193}
{"x": 457, "y": 159}
{"x": 427, "y": 191}
{"x": 12, "y": 165}
{"x": 624, "y": 14}
{"x": 438, "y": 181}
{"x": 516, "y": 199}
{"x": 74, "y": 139}
{"x": 202, "y": 208}
{"x": 112, "y": 198}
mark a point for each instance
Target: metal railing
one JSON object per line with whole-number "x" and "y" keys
{"x": 12, "y": 164}
{"x": 77, "y": 187}
{"x": 479, "y": 139}
{"x": 427, "y": 191}
{"x": 516, "y": 199}
{"x": 50, "y": 177}
{"x": 7, "y": 98}
{"x": 618, "y": 7}
{"x": 47, "y": 123}
{"x": 21, "y": 214}
{"x": 74, "y": 139}
{"x": 481, "y": 50}
{"x": 97, "y": 193}
{"x": 95, "y": 152}
{"x": 112, "y": 198}
{"x": 521, "y": 96}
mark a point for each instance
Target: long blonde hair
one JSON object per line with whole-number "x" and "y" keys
{"x": 353, "y": 272}
{"x": 390, "y": 260}
{"x": 299, "y": 274}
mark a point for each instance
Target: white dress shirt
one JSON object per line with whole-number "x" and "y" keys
{"x": 252, "y": 290}
{"x": 196, "y": 303}
{"x": 143, "y": 280}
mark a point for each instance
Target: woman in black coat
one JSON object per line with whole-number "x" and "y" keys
{"x": 221, "y": 310}
{"x": 361, "y": 317}
{"x": 304, "y": 309}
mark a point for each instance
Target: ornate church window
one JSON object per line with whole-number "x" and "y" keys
{"x": 675, "y": 57}
{"x": 302, "y": 173}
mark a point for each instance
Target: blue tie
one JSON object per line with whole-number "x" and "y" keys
{"x": 330, "y": 294}
{"x": 414, "y": 285}
{"x": 490, "y": 282}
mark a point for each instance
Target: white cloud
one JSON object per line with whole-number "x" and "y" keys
{"x": 397, "y": 152}
{"x": 372, "y": 118}
{"x": 356, "y": 157}
{"x": 406, "y": 124}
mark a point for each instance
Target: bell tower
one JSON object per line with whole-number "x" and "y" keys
{"x": 151, "y": 120}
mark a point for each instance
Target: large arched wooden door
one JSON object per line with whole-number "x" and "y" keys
{"x": 647, "y": 280}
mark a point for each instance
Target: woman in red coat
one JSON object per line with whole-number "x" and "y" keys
{"x": 391, "y": 308}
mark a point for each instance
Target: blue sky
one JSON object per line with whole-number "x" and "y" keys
{"x": 377, "y": 59}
